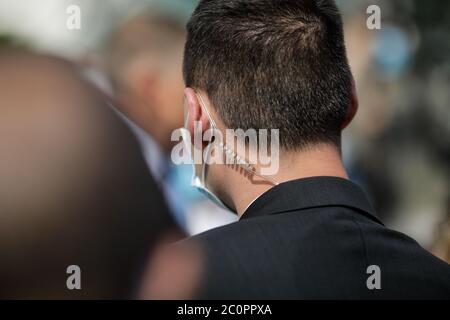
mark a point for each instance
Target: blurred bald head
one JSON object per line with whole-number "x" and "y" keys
{"x": 74, "y": 188}
{"x": 145, "y": 62}
{"x": 48, "y": 117}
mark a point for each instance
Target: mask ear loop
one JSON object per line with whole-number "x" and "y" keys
{"x": 230, "y": 153}
{"x": 186, "y": 115}
{"x": 186, "y": 122}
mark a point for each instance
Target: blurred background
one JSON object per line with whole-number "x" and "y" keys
{"x": 398, "y": 148}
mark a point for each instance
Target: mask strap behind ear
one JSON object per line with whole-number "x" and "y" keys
{"x": 203, "y": 104}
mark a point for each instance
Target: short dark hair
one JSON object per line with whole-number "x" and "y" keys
{"x": 272, "y": 64}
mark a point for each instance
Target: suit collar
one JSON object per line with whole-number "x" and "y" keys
{"x": 311, "y": 193}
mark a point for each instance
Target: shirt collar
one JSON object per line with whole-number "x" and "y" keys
{"x": 311, "y": 193}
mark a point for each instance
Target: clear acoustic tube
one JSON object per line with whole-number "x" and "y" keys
{"x": 230, "y": 154}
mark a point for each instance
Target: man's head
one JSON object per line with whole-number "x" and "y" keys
{"x": 264, "y": 65}
{"x": 145, "y": 56}
{"x": 272, "y": 64}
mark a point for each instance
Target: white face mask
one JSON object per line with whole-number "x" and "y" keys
{"x": 200, "y": 171}
{"x": 199, "y": 182}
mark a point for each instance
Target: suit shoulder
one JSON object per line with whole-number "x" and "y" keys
{"x": 218, "y": 233}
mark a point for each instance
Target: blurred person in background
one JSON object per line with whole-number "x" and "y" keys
{"x": 398, "y": 145}
{"x": 145, "y": 57}
{"x": 144, "y": 62}
{"x": 74, "y": 187}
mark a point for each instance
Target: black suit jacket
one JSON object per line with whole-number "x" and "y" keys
{"x": 315, "y": 239}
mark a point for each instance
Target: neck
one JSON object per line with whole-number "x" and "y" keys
{"x": 323, "y": 160}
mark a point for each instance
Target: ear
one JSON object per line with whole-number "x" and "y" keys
{"x": 196, "y": 114}
{"x": 352, "y": 108}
